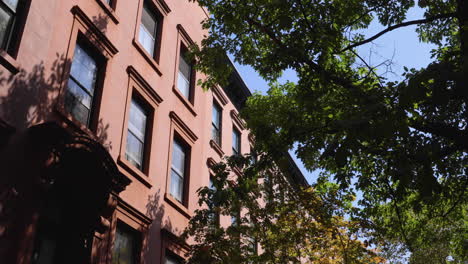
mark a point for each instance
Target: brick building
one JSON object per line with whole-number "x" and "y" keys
{"x": 104, "y": 135}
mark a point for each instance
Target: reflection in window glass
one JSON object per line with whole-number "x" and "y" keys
{"x": 216, "y": 124}
{"x": 213, "y": 217}
{"x": 81, "y": 85}
{"x": 184, "y": 76}
{"x": 178, "y": 171}
{"x": 110, "y": 2}
{"x": 136, "y": 134}
{"x": 236, "y": 143}
{"x": 125, "y": 246}
{"x": 148, "y": 29}
{"x": 8, "y": 14}
{"x": 172, "y": 260}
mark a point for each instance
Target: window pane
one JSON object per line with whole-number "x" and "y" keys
{"x": 178, "y": 171}
{"x": 84, "y": 69}
{"x": 253, "y": 157}
{"x": 46, "y": 251}
{"x": 215, "y": 135}
{"x": 74, "y": 105}
{"x": 136, "y": 134}
{"x": 183, "y": 80}
{"x": 233, "y": 220}
{"x": 184, "y": 67}
{"x": 148, "y": 20}
{"x": 148, "y": 28}
{"x": 137, "y": 120}
{"x": 80, "y": 90}
{"x": 235, "y": 142}
{"x": 124, "y": 247}
{"x": 5, "y": 21}
{"x": 134, "y": 152}
{"x": 183, "y": 85}
{"x": 81, "y": 95}
{"x": 146, "y": 40}
{"x": 178, "y": 158}
{"x": 177, "y": 185}
{"x": 210, "y": 185}
{"x": 216, "y": 123}
{"x": 13, "y": 4}
{"x": 171, "y": 260}
{"x": 216, "y": 115}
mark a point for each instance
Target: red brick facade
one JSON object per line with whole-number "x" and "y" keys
{"x": 67, "y": 185}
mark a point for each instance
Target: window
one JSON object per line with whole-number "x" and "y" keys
{"x": 234, "y": 220}
{"x": 252, "y": 241}
{"x": 236, "y": 142}
{"x": 216, "y": 123}
{"x": 80, "y": 91}
{"x": 213, "y": 217}
{"x": 137, "y": 124}
{"x": 47, "y": 239}
{"x": 253, "y": 156}
{"x": 126, "y": 245}
{"x": 111, "y": 4}
{"x": 8, "y": 21}
{"x": 178, "y": 170}
{"x": 148, "y": 29}
{"x": 171, "y": 259}
{"x": 184, "y": 79}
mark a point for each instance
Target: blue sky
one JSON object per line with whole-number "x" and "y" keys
{"x": 402, "y": 46}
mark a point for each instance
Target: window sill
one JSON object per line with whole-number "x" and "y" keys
{"x": 147, "y": 57}
{"x": 217, "y": 148}
{"x": 184, "y": 100}
{"x": 74, "y": 123}
{"x": 134, "y": 171}
{"x": 237, "y": 171}
{"x": 9, "y": 62}
{"x": 177, "y": 205}
{"x": 109, "y": 10}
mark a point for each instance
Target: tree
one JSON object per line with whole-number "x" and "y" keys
{"x": 274, "y": 220}
{"x": 404, "y": 143}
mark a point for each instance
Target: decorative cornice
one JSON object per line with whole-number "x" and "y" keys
{"x": 134, "y": 212}
{"x": 184, "y": 34}
{"x": 237, "y": 171}
{"x": 183, "y": 127}
{"x": 210, "y": 162}
{"x": 169, "y": 236}
{"x": 7, "y": 127}
{"x": 133, "y": 73}
{"x": 251, "y": 138}
{"x": 162, "y": 5}
{"x": 120, "y": 182}
{"x": 109, "y": 10}
{"x": 219, "y": 95}
{"x": 104, "y": 42}
{"x": 239, "y": 122}
{"x": 217, "y": 148}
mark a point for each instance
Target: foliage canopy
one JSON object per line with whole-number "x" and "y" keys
{"x": 404, "y": 143}
{"x": 273, "y": 220}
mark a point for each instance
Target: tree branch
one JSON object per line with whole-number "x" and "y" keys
{"x": 397, "y": 210}
{"x": 404, "y": 24}
{"x": 371, "y": 69}
{"x": 304, "y": 58}
{"x": 443, "y": 130}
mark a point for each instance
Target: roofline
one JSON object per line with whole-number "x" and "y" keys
{"x": 244, "y": 87}
{"x": 296, "y": 174}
